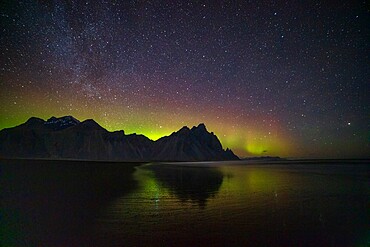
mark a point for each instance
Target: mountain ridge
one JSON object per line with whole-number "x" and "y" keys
{"x": 68, "y": 138}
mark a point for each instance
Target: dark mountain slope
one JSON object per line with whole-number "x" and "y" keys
{"x": 68, "y": 138}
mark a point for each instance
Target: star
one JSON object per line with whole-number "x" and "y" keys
{"x": 253, "y": 66}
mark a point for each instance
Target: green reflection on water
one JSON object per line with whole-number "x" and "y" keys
{"x": 239, "y": 202}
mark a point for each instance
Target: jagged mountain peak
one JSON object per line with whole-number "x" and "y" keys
{"x": 195, "y": 130}
{"x": 200, "y": 127}
{"x": 191, "y": 145}
{"x": 64, "y": 119}
{"x": 61, "y": 122}
{"x": 68, "y": 138}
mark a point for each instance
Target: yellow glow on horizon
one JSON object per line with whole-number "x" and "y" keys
{"x": 245, "y": 138}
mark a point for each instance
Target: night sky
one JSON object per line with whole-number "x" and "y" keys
{"x": 287, "y": 78}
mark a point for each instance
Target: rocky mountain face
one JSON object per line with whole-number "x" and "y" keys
{"x": 68, "y": 138}
{"x": 191, "y": 145}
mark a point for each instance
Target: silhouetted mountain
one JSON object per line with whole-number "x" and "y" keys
{"x": 68, "y": 138}
{"x": 191, "y": 145}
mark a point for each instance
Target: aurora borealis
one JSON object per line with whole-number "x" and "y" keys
{"x": 268, "y": 77}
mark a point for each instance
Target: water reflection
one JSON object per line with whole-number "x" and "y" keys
{"x": 88, "y": 204}
{"x": 241, "y": 205}
{"x": 195, "y": 184}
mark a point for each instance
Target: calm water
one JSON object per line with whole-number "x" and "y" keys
{"x": 48, "y": 203}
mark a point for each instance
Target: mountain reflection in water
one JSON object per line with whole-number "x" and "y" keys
{"x": 64, "y": 203}
{"x": 189, "y": 183}
{"x": 226, "y": 204}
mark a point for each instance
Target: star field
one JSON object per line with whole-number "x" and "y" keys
{"x": 268, "y": 77}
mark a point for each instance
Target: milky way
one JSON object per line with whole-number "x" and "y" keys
{"x": 268, "y": 77}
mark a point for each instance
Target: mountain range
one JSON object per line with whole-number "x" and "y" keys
{"x": 68, "y": 138}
